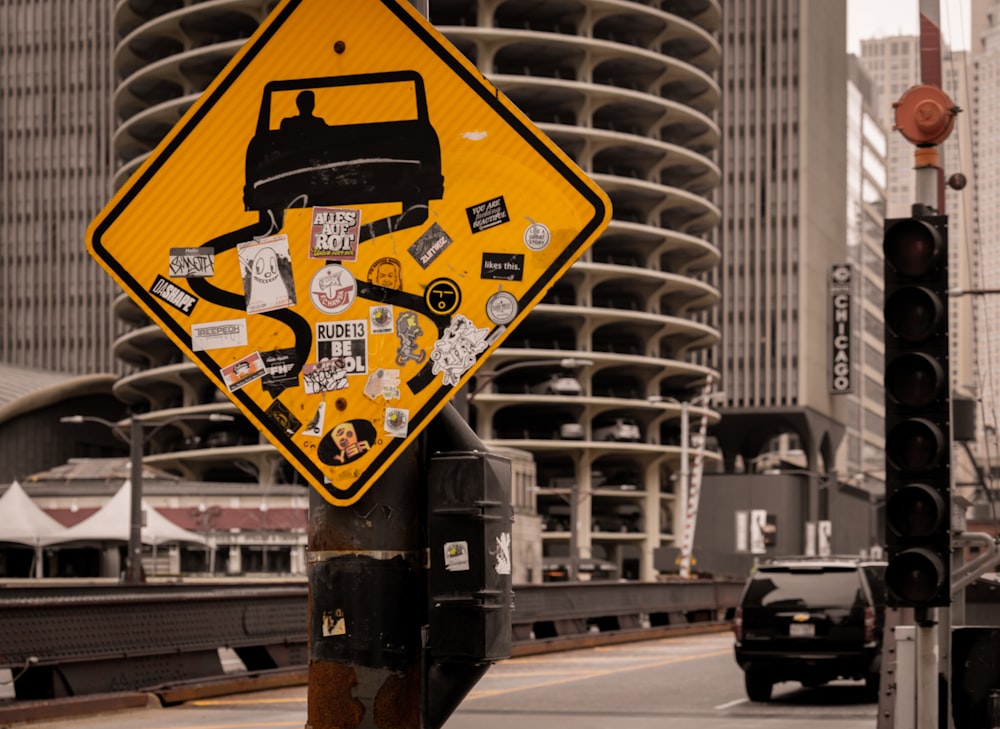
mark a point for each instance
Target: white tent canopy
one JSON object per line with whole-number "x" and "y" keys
{"x": 111, "y": 523}
{"x": 22, "y": 521}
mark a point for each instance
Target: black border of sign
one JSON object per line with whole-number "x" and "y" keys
{"x": 475, "y": 83}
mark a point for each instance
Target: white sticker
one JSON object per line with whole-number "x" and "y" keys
{"x": 537, "y": 236}
{"x": 501, "y": 307}
{"x": 326, "y": 376}
{"x": 397, "y": 422}
{"x": 503, "y": 554}
{"x": 219, "y": 335}
{"x": 333, "y": 289}
{"x": 456, "y": 351}
{"x": 192, "y": 262}
{"x": 267, "y": 274}
{"x": 383, "y": 383}
{"x": 315, "y": 427}
{"x": 456, "y": 556}
{"x": 380, "y": 317}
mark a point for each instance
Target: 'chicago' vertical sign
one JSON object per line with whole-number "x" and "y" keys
{"x": 840, "y": 329}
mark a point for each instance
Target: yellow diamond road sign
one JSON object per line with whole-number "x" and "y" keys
{"x": 342, "y": 228}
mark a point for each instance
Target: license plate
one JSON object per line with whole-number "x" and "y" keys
{"x": 801, "y": 630}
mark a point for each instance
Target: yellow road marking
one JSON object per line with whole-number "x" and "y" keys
{"x": 228, "y": 702}
{"x": 596, "y": 674}
{"x": 240, "y": 725}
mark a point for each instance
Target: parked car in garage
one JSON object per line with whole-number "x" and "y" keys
{"x": 619, "y": 429}
{"x": 571, "y": 431}
{"x": 558, "y": 385}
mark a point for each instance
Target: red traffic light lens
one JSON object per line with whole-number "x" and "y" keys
{"x": 915, "y": 576}
{"x": 915, "y": 510}
{"x": 913, "y": 313}
{"x": 914, "y": 445}
{"x": 914, "y": 379}
{"x": 912, "y": 247}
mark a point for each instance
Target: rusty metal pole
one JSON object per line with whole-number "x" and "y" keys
{"x": 367, "y": 604}
{"x": 367, "y": 599}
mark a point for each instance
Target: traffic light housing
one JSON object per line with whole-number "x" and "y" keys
{"x": 917, "y": 412}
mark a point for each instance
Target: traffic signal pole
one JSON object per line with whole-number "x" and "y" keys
{"x": 919, "y": 475}
{"x": 918, "y": 443}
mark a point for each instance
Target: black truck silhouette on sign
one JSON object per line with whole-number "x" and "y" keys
{"x": 385, "y": 151}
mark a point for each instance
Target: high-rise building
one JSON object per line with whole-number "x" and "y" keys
{"x": 55, "y": 170}
{"x": 985, "y": 228}
{"x": 783, "y": 116}
{"x": 628, "y": 90}
{"x": 862, "y": 459}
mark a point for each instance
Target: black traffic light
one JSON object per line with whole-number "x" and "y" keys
{"x": 917, "y": 412}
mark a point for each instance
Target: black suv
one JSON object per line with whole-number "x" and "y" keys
{"x": 813, "y": 620}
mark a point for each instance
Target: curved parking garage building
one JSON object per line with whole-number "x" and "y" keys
{"x": 593, "y": 384}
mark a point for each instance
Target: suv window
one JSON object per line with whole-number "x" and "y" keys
{"x": 804, "y": 589}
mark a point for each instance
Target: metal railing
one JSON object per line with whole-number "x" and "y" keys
{"x": 86, "y": 639}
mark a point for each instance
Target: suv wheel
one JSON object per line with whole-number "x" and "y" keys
{"x": 758, "y": 686}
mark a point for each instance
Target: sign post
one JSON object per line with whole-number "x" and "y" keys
{"x": 339, "y": 232}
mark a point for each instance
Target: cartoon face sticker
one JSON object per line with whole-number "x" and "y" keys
{"x": 267, "y": 274}
{"x": 386, "y": 272}
{"x": 264, "y": 268}
{"x": 346, "y": 441}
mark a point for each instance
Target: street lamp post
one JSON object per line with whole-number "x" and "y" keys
{"x": 136, "y": 440}
{"x": 688, "y": 505}
{"x": 133, "y": 559}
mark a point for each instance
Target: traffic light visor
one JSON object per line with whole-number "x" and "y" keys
{"x": 914, "y": 379}
{"x": 914, "y": 445}
{"x": 913, "y": 313}
{"x": 912, "y": 247}
{"x": 915, "y": 510}
{"x": 915, "y": 576}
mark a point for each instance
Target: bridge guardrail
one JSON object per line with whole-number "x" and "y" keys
{"x": 71, "y": 640}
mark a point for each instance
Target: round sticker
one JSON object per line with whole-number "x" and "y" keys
{"x": 537, "y": 236}
{"x": 501, "y": 308}
{"x": 333, "y": 289}
{"x": 443, "y": 296}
